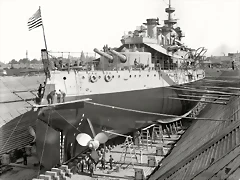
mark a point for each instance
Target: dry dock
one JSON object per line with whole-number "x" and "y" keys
{"x": 16, "y": 93}
{"x": 207, "y": 150}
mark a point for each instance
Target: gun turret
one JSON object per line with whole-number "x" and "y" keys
{"x": 122, "y": 57}
{"x": 101, "y": 53}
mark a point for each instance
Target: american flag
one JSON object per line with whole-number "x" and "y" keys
{"x": 35, "y": 21}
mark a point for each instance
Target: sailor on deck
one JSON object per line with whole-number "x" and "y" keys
{"x": 63, "y": 94}
{"x": 40, "y": 89}
{"x": 58, "y": 97}
{"x": 50, "y": 97}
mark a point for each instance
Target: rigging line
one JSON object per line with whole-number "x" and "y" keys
{"x": 44, "y": 143}
{"x": 67, "y": 121}
{"x": 12, "y": 133}
{"x": 15, "y": 94}
{"x": 165, "y": 2}
{"x": 156, "y": 114}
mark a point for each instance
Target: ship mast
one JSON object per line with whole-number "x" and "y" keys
{"x": 170, "y": 21}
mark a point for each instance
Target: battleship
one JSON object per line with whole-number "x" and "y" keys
{"x": 127, "y": 88}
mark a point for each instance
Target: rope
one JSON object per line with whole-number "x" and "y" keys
{"x": 44, "y": 143}
{"x": 152, "y": 113}
{"x": 67, "y": 121}
{"x": 11, "y": 133}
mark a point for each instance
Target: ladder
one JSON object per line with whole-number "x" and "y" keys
{"x": 157, "y": 133}
{"x": 146, "y": 136}
{"x": 128, "y": 145}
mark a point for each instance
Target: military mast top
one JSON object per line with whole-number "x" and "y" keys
{"x": 170, "y": 21}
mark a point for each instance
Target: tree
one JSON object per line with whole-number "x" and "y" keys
{"x": 24, "y": 61}
{"x": 82, "y": 57}
{"x": 13, "y": 61}
{"x": 35, "y": 61}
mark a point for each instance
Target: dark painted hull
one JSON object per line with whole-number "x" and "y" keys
{"x": 149, "y": 101}
{"x": 69, "y": 119}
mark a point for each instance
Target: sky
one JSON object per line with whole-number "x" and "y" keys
{"x": 82, "y": 25}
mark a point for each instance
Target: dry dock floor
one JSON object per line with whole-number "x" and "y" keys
{"x": 126, "y": 169}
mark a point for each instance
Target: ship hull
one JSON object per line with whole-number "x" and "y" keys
{"x": 131, "y": 109}
{"x": 123, "y": 112}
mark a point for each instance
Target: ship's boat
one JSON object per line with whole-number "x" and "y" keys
{"x": 125, "y": 89}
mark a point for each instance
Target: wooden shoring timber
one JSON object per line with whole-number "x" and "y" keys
{"x": 219, "y": 80}
{"x": 215, "y": 87}
{"x": 205, "y": 96}
{"x": 204, "y": 91}
{"x": 214, "y": 94}
{"x": 23, "y": 99}
{"x": 117, "y": 134}
{"x": 218, "y": 87}
{"x": 148, "y": 127}
{"x": 21, "y": 91}
{"x": 229, "y": 77}
{"x": 202, "y": 101}
{"x": 20, "y": 100}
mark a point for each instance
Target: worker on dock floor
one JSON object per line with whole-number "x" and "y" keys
{"x": 111, "y": 161}
{"x": 24, "y": 158}
{"x": 91, "y": 168}
{"x": 102, "y": 160}
{"x": 81, "y": 165}
{"x": 50, "y": 97}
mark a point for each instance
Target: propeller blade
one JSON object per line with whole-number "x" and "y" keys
{"x": 83, "y": 139}
{"x": 32, "y": 132}
{"x": 101, "y": 137}
{"x": 94, "y": 156}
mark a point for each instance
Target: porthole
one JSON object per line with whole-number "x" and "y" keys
{"x": 135, "y": 75}
{"x": 99, "y": 77}
{"x": 130, "y": 76}
{"x": 118, "y": 76}
{"x": 112, "y": 76}
{"x": 64, "y": 78}
{"x": 154, "y": 75}
{"x": 148, "y": 75}
{"x": 83, "y": 77}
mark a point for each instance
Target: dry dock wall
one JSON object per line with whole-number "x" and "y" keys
{"x": 15, "y": 116}
{"x": 199, "y": 133}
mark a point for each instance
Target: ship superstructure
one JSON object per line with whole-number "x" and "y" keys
{"x": 127, "y": 88}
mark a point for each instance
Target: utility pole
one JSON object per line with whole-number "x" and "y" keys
{"x": 27, "y": 54}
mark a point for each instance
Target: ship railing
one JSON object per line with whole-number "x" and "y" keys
{"x": 126, "y": 68}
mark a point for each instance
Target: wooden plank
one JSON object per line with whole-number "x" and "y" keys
{"x": 59, "y": 104}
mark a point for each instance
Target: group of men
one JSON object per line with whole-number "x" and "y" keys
{"x": 51, "y": 96}
{"x": 88, "y": 165}
{"x": 85, "y": 165}
{"x": 60, "y": 96}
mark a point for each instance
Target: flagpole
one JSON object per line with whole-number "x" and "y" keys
{"x": 48, "y": 75}
{"x": 43, "y": 31}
